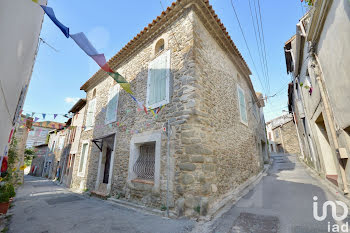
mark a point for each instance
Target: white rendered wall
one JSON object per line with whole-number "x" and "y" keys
{"x": 20, "y": 26}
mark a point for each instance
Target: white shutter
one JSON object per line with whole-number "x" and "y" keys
{"x": 242, "y": 105}
{"x": 111, "y": 113}
{"x": 91, "y": 114}
{"x": 158, "y": 81}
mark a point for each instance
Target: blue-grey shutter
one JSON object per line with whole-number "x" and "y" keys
{"x": 111, "y": 113}
{"x": 91, "y": 113}
{"x": 157, "y": 83}
{"x": 242, "y": 105}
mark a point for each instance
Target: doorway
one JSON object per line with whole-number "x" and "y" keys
{"x": 326, "y": 150}
{"x": 107, "y": 165}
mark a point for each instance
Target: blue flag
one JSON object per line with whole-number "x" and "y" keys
{"x": 51, "y": 14}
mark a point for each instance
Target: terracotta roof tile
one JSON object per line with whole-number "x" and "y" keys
{"x": 152, "y": 24}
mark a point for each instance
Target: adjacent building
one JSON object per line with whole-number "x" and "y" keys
{"x": 209, "y": 133}
{"x": 21, "y": 22}
{"x": 318, "y": 59}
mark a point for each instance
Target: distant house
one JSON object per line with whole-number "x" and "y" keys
{"x": 40, "y": 130}
{"x": 38, "y": 162}
{"x": 185, "y": 66}
{"x": 282, "y": 135}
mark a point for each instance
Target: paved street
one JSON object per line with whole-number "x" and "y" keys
{"x": 43, "y": 207}
{"x": 281, "y": 202}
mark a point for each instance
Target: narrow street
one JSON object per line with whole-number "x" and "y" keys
{"x": 43, "y": 207}
{"x": 281, "y": 202}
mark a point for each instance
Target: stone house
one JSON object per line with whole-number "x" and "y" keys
{"x": 73, "y": 129}
{"x": 186, "y": 63}
{"x": 21, "y": 135}
{"x": 39, "y": 132}
{"x": 38, "y": 162}
{"x": 56, "y": 145}
{"x": 319, "y": 94}
{"x": 282, "y": 135}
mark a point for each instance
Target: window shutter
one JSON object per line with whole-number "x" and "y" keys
{"x": 83, "y": 157}
{"x": 111, "y": 113}
{"x": 242, "y": 105}
{"x": 91, "y": 113}
{"x": 158, "y": 80}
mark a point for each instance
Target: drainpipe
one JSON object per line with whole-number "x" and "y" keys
{"x": 168, "y": 168}
{"x": 331, "y": 124}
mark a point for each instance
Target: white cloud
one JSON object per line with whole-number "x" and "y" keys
{"x": 71, "y": 100}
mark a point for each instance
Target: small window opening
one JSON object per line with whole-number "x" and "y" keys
{"x": 159, "y": 46}
{"x": 144, "y": 165}
{"x": 94, "y": 93}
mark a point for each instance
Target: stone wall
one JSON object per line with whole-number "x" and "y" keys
{"x": 290, "y": 138}
{"x": 223, "y": 151}
{"x": 212, "y": 152}
{"x": 179, "y": 40}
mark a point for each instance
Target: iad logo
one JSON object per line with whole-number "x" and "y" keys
{"x": 333, "y": 205}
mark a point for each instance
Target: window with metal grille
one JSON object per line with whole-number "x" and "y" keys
{"x": 144, "y": 165}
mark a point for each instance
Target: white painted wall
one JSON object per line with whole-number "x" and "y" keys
{"x": 20, "y": 26}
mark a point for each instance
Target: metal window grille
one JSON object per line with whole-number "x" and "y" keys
{"x": 144, "y": 165}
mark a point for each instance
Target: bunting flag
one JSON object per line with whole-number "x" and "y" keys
{"x": 82, "y": 41}
{"x": 36, "y": 118}
{"x": 49, "y": 12}
{"x": 140, "y": 104}
{"x": 54, "y": 116}
{"x": 44, "y": 115}
{"x": 33, "y": 114}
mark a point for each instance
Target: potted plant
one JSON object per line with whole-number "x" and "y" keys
{"x": 7, "y": 192}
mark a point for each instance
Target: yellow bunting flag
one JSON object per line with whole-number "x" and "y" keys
{"x": 22, "y": 167}
{"x": 126, "y": 87}
{"x": 36, "y": 1}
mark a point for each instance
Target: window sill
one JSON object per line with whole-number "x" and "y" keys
{"x": 143, "y": 181}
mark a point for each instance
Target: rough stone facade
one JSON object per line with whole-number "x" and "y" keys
{"x": 211, "y": 150}
{"x": 38, "y": 160}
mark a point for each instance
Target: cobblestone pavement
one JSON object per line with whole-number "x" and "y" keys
{"x": 43, "y": 207}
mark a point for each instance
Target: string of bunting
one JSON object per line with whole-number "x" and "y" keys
{"x": 82, "y": 41}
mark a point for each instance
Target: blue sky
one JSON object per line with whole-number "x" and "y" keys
{"x": 110, "y": 24}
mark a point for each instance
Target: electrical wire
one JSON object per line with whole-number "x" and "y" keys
{"x": 246, "y": 43}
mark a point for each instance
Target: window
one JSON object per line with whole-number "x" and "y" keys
{"x": 144, "y": 160}
{"x": 90, "y": 116}
{"x": 94, "y": 93}
{"x": 159, "y": 46}
{"x": 83, "y": 159}
{"x": 61, "y": 143}
{"x": 111, "y": 113}
{"x": 158, "y": 81}
{"x": 144, "y": 165}
{"x": 277, "y": 134}
{"x": 242, "y": 106}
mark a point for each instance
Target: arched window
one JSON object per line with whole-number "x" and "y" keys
{"x": 159, "y": 46}
{"x": 94, "y": 93}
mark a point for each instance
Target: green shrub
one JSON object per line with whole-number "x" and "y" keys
{"x": 6, "y": 192}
